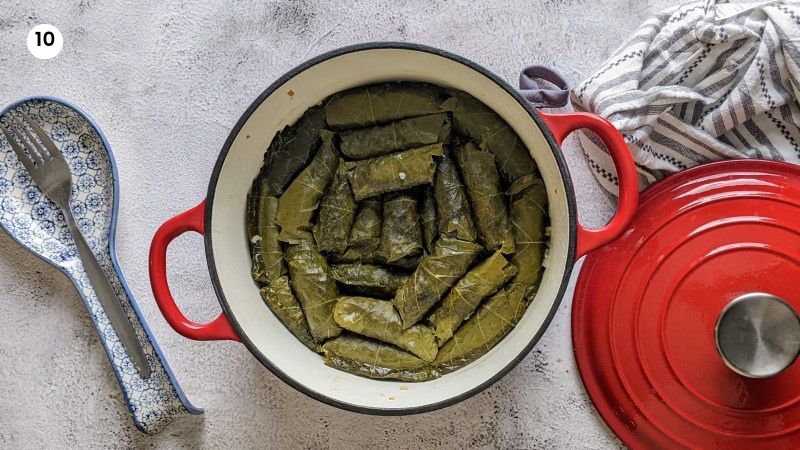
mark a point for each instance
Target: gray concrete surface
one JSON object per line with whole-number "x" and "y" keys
{"x": 166, "y": 81}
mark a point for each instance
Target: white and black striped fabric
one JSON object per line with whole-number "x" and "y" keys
{"x": 700, "y": 82}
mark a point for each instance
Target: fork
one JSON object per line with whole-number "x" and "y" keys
{"x": 49, "y": 170}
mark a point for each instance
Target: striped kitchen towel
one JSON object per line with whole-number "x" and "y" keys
{"x": 700, "y": 82}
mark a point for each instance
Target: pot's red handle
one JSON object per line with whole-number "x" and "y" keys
{"x": 191, "y": 220}
{"x": 562, "y": 124}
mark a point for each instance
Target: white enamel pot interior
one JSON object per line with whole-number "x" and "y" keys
{"x": 228, "y": 253}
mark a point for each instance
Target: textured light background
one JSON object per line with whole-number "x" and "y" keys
{"x": 166, "y": 81}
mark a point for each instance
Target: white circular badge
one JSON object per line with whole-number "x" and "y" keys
{"x": 45, "y": 41}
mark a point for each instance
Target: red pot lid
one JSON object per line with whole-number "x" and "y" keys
{"x": 646, "y": 306}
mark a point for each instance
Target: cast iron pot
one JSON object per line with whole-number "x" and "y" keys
{"x": 220, "y": 218}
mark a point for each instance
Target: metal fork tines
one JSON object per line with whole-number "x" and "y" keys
{"x": 49, "y": 170}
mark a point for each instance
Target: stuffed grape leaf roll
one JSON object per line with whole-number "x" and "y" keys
{"x": 486, "y": 198}
{"x": 262, "y": 232}
{"x": 528, "y": 215}
{"x": 373, "y": 359}
{"x": 378, "y": 319}
{"x": 297, "y": 205}
{"x": 452, "y": 206}
{"x": 489, "y": 325}
{"x": 477, "y": 121}
{"x": 427, "y": 213}
{"x": 401, "y": 236}
{"x": 251, "y": 207}
{"x": 393, "y": 172}
{"x": 365, "y": 234}
{"x": 291, "y": 149}
{"x": 367, "y": 279}
{"x": 251, "y": 224}
{"x": 268, "y": 263}
{"x": 480, "y": 282}
{"x": 433, "y": 277}
{"x": 362, "y": 143}
{"x": 315, "y": 289}
{"x": 279, "y": 297}
{"x": 377, "y": 104}
{"x": 336, "y": 214}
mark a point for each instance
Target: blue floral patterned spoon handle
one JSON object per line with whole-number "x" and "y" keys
{"x": 48, "y": 168}
{"x": 105, "y": 294}
{"x": 38, "y": 224}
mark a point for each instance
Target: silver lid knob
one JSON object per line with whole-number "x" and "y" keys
{"x": 758, "y": 335}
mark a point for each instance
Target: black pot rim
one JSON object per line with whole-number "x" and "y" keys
{"x": 208, "y": 238}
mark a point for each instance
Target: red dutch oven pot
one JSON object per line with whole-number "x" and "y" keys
{"x": 220, "y": 218}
